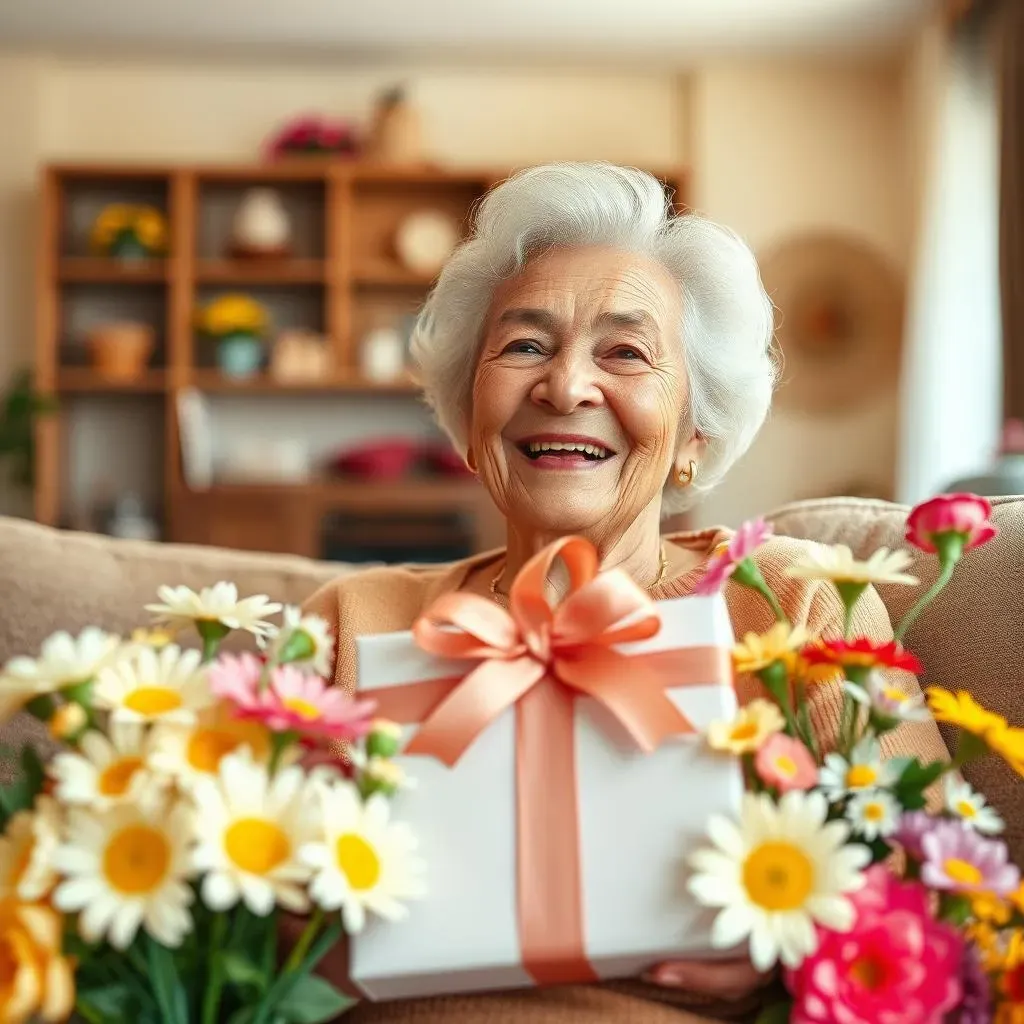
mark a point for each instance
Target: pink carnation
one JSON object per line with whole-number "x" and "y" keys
{"x": 722, "y": 564}
{"x": 292, "y": 700}
{"x": 785, "y": 763}
{"x": 896, "y": 965}
{"x": 966, "y": 514}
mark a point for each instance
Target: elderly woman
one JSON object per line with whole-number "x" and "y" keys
{"x": 600, "y": 363}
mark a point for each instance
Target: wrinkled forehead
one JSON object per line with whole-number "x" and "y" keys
{"x": 589, "y": 287}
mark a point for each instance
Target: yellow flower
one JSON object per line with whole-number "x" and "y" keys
{"x": 233, "y": 313}
{"x": 759, "y": 650}
{"x": 1009, "y": 1013}
{"x": 837, "y": 564}
{"x": 155, "y": 637}
{"x": 36, "y": 981}
{"x": 1008, "y": 743}
{"x": 1016, "y": 898}
{"x": 990, "y": 909}
{"x": 748, "y": 730}
{"x": 963, "y": 711}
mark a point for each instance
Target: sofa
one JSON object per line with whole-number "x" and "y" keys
{"x": 970, "y": 638}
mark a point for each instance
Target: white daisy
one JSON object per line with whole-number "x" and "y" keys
{"x": 108, "y": 770}
{"x": 873, "y": 814}
{"x": 193, "y": 752}
{"x": 865, "y": 771}
{"x": 167, "y": 685}
{"x": 887, "y": 700}
{"x": 126, "y": 867}
{"x": 304, "y": 641}
{"x": 250, "y": 830}
{"x": 365, "y": 862}
{"x": 64, "y": 660}
{"x": 836, "y": 563}
{"x": 181, "y": 607}
{"x": 970, "y": 807}
{"x": 783, "y": 870}
{"x": 26, "y": 851}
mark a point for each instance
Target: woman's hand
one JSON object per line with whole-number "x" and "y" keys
{"x": 716, "y": 979}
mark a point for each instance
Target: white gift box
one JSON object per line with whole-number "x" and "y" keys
{"x": 639, "y": 817}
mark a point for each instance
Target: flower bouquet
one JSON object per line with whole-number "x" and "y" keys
{"x": 145, "y": 867}
{"x": 238, "y": 323}
{"x": 129, "y": 231}
{"x": 314, "y": 135}
{"x": 879, "y": 884}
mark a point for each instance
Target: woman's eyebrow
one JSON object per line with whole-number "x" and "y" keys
{"x": 541, "y": 318}
{"x": 631, "y": 319}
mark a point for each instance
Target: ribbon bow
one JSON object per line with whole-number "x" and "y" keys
{"x": 572, "y": 645}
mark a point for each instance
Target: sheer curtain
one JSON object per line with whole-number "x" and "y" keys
{"x": 951, "y": 401}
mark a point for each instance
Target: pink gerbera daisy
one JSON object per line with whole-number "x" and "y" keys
{"x": 291, "y": 701}
{"x": 727, "y": 557}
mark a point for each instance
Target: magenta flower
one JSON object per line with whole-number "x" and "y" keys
{"x": 961, "y": 860}
{"x": 723, "y": 563}
{"x": 896, "y": 964}
{"x": 292, "y": 700}
{"x": 963, "y": 514}
{"x": 913, "y": 827}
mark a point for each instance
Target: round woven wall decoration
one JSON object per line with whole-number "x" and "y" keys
{"x": 839, "y": 321}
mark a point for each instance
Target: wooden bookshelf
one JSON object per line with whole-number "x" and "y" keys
{"x": 341, "y": 278}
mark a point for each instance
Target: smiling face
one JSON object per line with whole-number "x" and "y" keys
{"x": 579, "y": 391}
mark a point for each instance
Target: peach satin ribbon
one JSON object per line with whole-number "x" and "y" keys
{"x": 539, "y": 660}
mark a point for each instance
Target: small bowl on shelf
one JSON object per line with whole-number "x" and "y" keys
{"x": 120, "y": 351}
{"x": 379, "y": 460}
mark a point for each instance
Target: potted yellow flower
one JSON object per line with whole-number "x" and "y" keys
{"x": 130, "y": 232}
{"x": 238, "y": 323}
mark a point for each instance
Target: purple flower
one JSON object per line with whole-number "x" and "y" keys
{"x": 960, "y": 860}
{"x": 976, "y": 1000}
{"x": 913, "y": 827}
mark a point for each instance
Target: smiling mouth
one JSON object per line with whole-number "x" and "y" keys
{"x": 569, "y": 450}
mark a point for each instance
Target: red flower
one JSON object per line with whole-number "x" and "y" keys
{"x": 964, "y": 514}
{"x": 861, "y": 652}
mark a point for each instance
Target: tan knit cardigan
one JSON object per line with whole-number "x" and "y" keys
{"x": 390, "y": 599}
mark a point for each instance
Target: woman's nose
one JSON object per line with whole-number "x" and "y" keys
{"x": 567, "y": 385}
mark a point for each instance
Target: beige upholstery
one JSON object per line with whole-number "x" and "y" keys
{"x": 970, "y": 638}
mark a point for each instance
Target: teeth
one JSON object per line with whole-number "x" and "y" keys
{"x": 536, "y": 447}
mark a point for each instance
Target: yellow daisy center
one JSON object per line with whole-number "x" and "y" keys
{"x": 153, "y": 700}
{"x": 785, "y": 765}
{"x": 206, "y": 747}
{"x": 115, "y": 779}
{"x": 860, "y": 775}
{"x": 860, "y": 659}
{"x": 256, "y": 845}
{"x": 744, "y": 731}
{"x": 874, "y": 812}
{"x": 966, "y": 810}
{"x": 358, "y": 861}
{"x": 302, "y": 708}
{"x": 962, "y": 871}
{"x": 778, "y": 876}
{"x": 136, "y": 859}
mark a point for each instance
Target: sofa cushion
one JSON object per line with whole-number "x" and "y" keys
{"x": 969, "y": 638}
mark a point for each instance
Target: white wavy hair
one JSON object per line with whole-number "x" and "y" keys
{"x": 727, "y": 322}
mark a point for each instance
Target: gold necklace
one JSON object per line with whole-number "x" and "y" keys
{"x": 662, "y": 569}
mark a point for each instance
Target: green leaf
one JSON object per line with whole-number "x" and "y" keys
{"x": 33, "y": 769}
{"x": 167, "y": 986}
{"x": 110, "y": 1002}
{"x": 777, "y": 1013}
{"x": 879, "y": 848}
{"x": 240, "y": 970}
{"x": 243, "y": 1015}
{"x": 312, "y": 1000}
{"x": 915, "y": 779}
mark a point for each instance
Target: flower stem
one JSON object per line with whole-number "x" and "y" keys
{"x": 749, "y": 575}
{"x": 211, "y": 997}
{"x": 280, "y": 742}
{"x": 301, "y": 948}
{"x": 776, "y": 680}
{"x": 926, "y": 599}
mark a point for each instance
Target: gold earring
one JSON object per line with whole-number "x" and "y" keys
{"x": 470, "y": 461}
{"x": 685, "y": 477}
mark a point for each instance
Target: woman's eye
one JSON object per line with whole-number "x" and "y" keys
{"x": 625, "y": 352}
{"x": 524, "y": 345}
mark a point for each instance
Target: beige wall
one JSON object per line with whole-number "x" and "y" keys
{"x": 773, "y": 149}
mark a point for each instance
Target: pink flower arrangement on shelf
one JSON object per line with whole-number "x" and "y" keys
{"x": 314, "y": 134}
{"x": 881, "y": 886}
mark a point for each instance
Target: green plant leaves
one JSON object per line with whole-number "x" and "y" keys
{"x": 312, "y": 1000}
